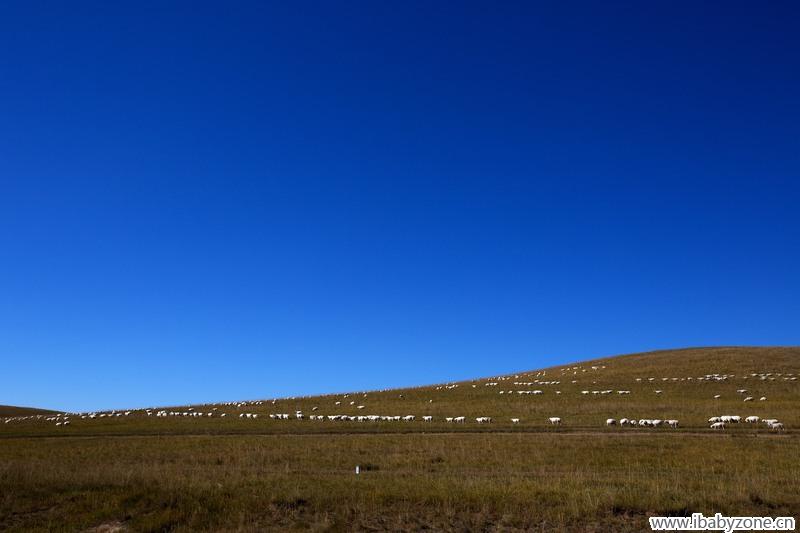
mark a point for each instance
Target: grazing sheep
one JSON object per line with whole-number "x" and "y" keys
{"x": 718, "y": 425}
{"x": 554, "y": 420}
{"x": 427, "y": 418}
{"x": 611, "y": 422}
{"x": 515, "y": 420}
{"x": 673, "y": 423}
{"x": 752, "y": 420}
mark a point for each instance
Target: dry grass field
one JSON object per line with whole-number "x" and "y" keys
{"x": 10, "y": 410}
{"x": 187, "y": 473}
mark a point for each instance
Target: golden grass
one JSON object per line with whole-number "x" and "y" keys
{"x": 408, "y": 481}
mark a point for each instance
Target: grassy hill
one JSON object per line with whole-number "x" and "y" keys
{"x": 183, "y": 473}
{"x": 11, "y": 410}
{"x": 680, "y": 375}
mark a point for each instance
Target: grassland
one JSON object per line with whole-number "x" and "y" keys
{"x": 144, "y": 473}
{"x": 11, "y": 410}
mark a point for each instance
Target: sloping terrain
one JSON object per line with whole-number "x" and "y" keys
{"x": 11, "y": 410}
{"x": 186, "y": 472}
{"x": 688, "y": 385}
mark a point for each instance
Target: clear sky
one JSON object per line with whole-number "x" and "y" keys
{"x": 231, "y": 200}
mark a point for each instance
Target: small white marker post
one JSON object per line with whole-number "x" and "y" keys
{"x": 358, "y": 470}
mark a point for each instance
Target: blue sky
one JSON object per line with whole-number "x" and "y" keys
{"x": 204, "y": 202}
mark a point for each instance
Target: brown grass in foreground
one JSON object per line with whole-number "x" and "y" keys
{"x": 409, "y": 482}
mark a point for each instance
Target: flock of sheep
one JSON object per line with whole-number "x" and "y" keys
{"x": 719, "y": 422}
{"x": 643, "y": 422}
{"x": 539, "y": 379}
{"x": 394, "y": 418}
